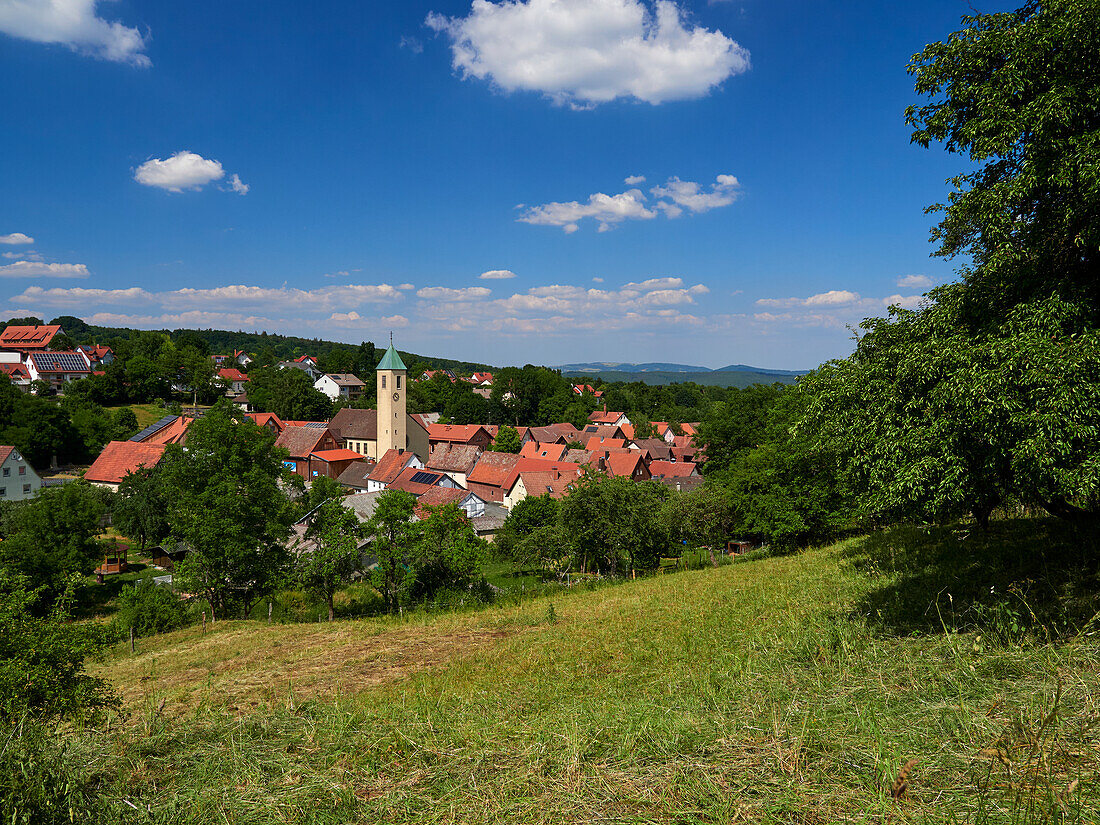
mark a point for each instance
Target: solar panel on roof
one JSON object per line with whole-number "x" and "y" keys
{"x": 59, "y": 361}
{"x": 424, "y": 478}
{"x": 155, "y": 427}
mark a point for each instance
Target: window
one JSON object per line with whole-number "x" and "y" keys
{"x": 383, "y": 382}
{"x": 7, "y": 472}
{"x": 22, "y": 469}
{"x": 3, "y": 491}
{"x": 26, "y": 489}
{"x": 398, "y": 382}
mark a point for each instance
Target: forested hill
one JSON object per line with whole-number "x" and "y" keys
{"x": 277, "y": 347}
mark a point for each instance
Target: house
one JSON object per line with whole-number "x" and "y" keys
{"x": 682, "y": 484}
{"x": 489, "y": 475}
{"x": 331, "y": 463}
{"x": 417, "y": 480}
{"x": 444, "y": 434}
{"x": 581, "y": 389}
{"x": 358, "y": 430}
{"x": 18, "y": 479}
{"x": 390, "y": 466}
{"x": 604, "y": 417}
{"x": 556, "y": 434}
{"x": 469, "y": 503}
{"x": 17, "y": 373}
{"x": 562, "y": 471}
{"x": 603, "y": 431}
{"x": 488, "y": 523}
{"x": 234, "y": 378}
{"x": 340, "y": 386}
{"x": 627, "y": 464}
{"x": 577, "y": 456}
{"x": 119, "y": 458}
{"x": 57, "y": 368}
{"x": 242, "y": 403}
{"x": 672, "y": 469}
{"x": 480, "y": 379}
{"x": 551, "y": 452}
{"x": 428, "y": 375}
{"x": 171, "y": 429}
{"x": 301, "y": 442}
{"x": 456, "y": 460}
{"x": 98, "y": 355}
{"x": 656, "y": 448}
{"x": 29, "y": 339}
{"x": 309, "y": 367}
{"x": 269, "y": 421}
{"x": 355, "y": 475}
{"x": 556, "y": 482}
{"x": 595, "y": 443}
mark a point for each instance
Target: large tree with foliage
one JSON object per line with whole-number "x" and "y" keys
{"x": 141, "y": 506}
{"x": 449, "y": 555}
{"x": 615, "y": 524}
{"x": 226, "y": 502}
{"x": 288, "y": 393}
{"x": 989, "y": 393}
{"x": 394, "y": 534}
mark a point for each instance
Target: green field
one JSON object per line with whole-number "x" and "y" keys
{"x": 789, "y": 689}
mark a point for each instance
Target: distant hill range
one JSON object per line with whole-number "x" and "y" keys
{"x": 734, "y": 375}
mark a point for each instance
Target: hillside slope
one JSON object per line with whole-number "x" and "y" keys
{"x": 753, "y": 692}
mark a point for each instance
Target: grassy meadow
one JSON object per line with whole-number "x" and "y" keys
{"x": 785, "y": 689}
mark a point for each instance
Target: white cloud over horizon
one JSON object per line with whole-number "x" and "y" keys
{"x": 16, "y": 239}
{"x": 185, "y": 170}
{"x": 75, "y": 24}
{"x": 583, "y": 53}
{"x": 38, "y": 269}
{"x": 497, "y": 275}
{"x": 672, "y": 198}
{"x": 836, "y": 308}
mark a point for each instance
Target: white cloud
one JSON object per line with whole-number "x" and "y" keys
{"x": 448, "y": 294}
{"x": 634, "y": 180}
{"x": 238, "y": 186}
{"x": 597, "y": 280}
{"x": 73, "y": 23}
{"x": 497, "y": 275}
{"x": 184, "y": 170}
{"x": 586, "y": 52}
{"x": 16, "y": 239}
{"x": 37, "y": 269}
{"x": 904, "y": 301}
{"x": 82, "y": 296}
{"x": 413, "y": 44}
{"x": 915, "y": 282}
{"x": 608, "y": 210}
{"x": 836, "y": 308}
{"x": 834, "y": 297}
{"x": 686, "y": 194}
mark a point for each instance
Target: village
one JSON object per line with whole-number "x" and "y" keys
{"x": 484, "y": 469}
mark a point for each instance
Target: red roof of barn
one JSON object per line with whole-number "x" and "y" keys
{"x": 416, "y": 480}
{"x": 121, "y": 457}
{"x": 391, "y": 465}
{"x": 493, "y": 469}
{"x": 336, "y": 455}
{"x": 301, "y": 441}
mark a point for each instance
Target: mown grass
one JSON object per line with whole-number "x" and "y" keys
{"x": 777, "y": 690}
{"x": 146, "y": 413}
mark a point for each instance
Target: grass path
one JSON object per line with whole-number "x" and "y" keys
{"x": 748, "y": 693}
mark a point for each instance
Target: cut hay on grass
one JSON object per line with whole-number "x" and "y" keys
{"x": 759, "y": 692}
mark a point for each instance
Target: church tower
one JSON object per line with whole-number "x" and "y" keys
{"x": 392, "y": 391}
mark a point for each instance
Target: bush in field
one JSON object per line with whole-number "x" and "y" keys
{"x": 148, "y": 609}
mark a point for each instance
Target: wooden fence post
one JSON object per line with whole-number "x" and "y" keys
{"x": 204, "y": 623}
{"x": 269, "y": 612}
{"x": 131, "y": 640}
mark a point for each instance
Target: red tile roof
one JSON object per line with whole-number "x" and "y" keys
{"x": 15, "y": 370}
{"x": 37, "y": 337}
{"x": 455, "y": 433}
{"x": 454, "y": 458}
{"x": 301, "y": 441}
{"x": 493, "y": 469}
{"x": 4, "y": 453}
{"x": 531, "y": 465}
{"x": 263, "y": 419}
{"x": 232, "y": 374}
{"x": 174, "y": 433}
{"x": 336, "y": 455}
{"x": 552, "y": 452}
{"x": 596, "y": 443}
{"x": 604, "y": 417}
{"x": 391, "y": 465}
{"x": 424, "y": 480}
{"x": 439, "y": 496}
{"x": 555, "y": 484}
{"x": 623, "y": 463}
{"x": 121, "y": 457}
{"x": 672, "y": 469}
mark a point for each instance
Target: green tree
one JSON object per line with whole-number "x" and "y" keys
{"x": 148, "y": 608}
{"x": 288, "y": 393}
{"x": 529, "y": 515}
{"x": 394, "y": 534}
{"x": 335, "y": 534}
{"x": 225, "y": 501}
{"x": 615, "y": 523}
{"x": 449, "y": 555}
{"x": 703, "y": 517}
{"x": 507, "y": 440}
{"x": 42, "y": 659}
{"x": 141, "y": 506}
{"x": 52, "y": 537}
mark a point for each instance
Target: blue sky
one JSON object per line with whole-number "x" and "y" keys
{"x": 343, "y": 169}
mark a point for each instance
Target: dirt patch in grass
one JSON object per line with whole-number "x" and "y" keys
{"x": 240, "y": 666}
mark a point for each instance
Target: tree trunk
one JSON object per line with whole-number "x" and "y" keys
{"x": 331, "y": 609}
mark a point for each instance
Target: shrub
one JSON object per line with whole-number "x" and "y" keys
{"x": 148, "y": 609}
